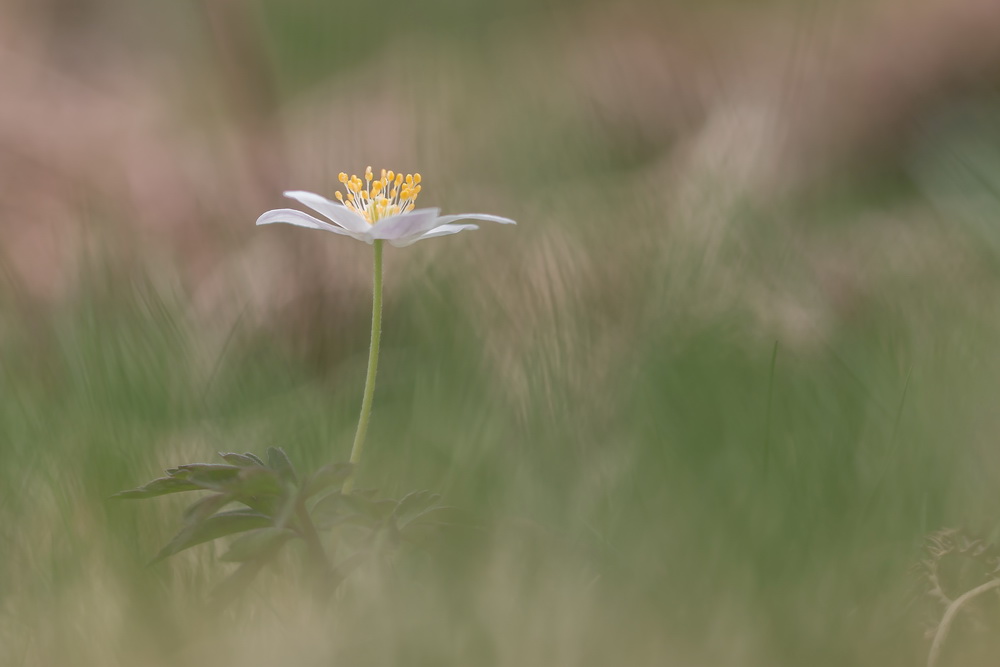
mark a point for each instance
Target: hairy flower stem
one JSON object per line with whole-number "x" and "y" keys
{"x": 949, "y": 615}
{"x": 366, "y": 402}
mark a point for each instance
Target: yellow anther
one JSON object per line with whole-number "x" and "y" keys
{"x": 374, "y": 198}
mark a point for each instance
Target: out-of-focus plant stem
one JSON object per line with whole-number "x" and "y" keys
{"x": 366, "y": 402}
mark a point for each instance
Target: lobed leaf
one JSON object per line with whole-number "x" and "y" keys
{"x": 219, "y": 525}
{"x": 243, "y": 460}
{"x": 260, "y": 489}
{"x": 211, "y": 476}
{"x": 257, "y": 482}
{"x": 206, "y": 506}
{"x": 278, "y": 461}
{"x": 208, "y": 469}
{"x": 158, "y": 487}
{"x": 256, "y": 458}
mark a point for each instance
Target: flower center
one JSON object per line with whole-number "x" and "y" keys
{"x": 373, "y": 200}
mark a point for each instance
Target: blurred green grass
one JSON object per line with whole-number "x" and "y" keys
{"x": 687, "y": 508}
{"x": 657, "y": 478}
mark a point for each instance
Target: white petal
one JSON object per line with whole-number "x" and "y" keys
{"x": 448, "y": 219}
{"x": 298, "y": 218}
{"x": 406, "y": 225}
{"x": 339, "y": 213}
{"x": 443, "y": 230}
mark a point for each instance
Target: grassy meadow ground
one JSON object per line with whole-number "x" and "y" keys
{"x": 691, "y": 425}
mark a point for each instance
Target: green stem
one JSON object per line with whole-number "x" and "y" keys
{"x": 366, "y": 402}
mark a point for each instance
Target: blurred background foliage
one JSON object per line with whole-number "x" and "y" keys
{"x": 704, "y": 404}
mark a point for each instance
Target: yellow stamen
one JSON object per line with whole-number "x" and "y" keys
{"x": 375, "y": 198}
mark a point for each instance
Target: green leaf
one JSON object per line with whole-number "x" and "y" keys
{"x": 243, "y": 460}
{"x": 219, "y": 525}
{"x": 284, "y": 510}
{"x": 257, "y": 482}
{"x": 158, "y": 487}
{"x": 208, "y": 469}
{"x": 256, "y": 487}
{"x": 278, "y": 461}
{"x": 251, "y": 455}
{"x": 260, "y": 543}
{"x": 206, "y": 475}
{"x": 327, "y": 477}
{"x": 204, "y": 507}
{"x": 260, "y": 489}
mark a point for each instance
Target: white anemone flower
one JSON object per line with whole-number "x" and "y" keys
{"x": 376, "y": 209}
